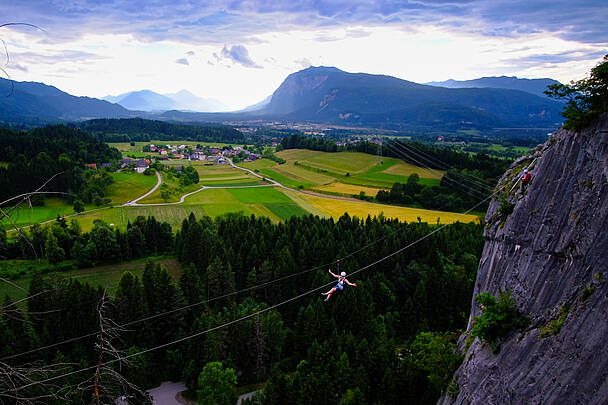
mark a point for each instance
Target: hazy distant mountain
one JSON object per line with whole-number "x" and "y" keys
{"x": 534, "y": 86}
{"x": 33, "y": 103}
{"x": 184, "y": 100}
{"x": 148, "y": 100}
{"x": 257, "y": 106}
{"x": 143, "y": 100}
{"x": 327, "y": 94}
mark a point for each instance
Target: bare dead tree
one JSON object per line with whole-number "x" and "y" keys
{"x": 13, "y": 378}
{"x": 107, "y": 384}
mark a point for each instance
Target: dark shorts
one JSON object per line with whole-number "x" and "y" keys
{"x": 339, "y": 287}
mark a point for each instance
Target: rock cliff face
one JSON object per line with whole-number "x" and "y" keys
{"x": 551, "y": 253}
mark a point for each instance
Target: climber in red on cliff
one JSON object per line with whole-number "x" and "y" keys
{"x": 526, "y": 177}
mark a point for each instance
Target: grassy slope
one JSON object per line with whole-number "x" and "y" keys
{"x": 128, "y": 186}
{"x": 106, "y": 276}
{"x": 318, "y": 170}
{"x": 170, "y": 184}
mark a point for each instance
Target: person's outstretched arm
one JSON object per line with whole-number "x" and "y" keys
{"x": 330, "y": 272}
{"x": 349, "y": 283}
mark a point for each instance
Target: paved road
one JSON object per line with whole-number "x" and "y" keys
{"x": 277, "y": 184}
{"x": 273, "y": 183}
{"x": 169, "y": 393}
{"x": 244, "y": 397}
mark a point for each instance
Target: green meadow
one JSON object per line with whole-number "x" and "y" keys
{"x": 128, "y": 186}
{"x": 106, "y": 276}
{"x": 229, "y": 190}
{"x": 305, "y": 169}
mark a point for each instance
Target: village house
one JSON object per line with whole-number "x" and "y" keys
{"x": 125, "y": 162}
{"x": 198, "y": 154}
{"x": 141, "y": 166}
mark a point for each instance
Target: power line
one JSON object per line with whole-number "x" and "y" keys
{"x": 478, "y": 193}
{"x": 465, "y": 177}
{"x": 134, "y": 322}
{"x": 206, "y": 301}
{"x": 471, "y": 185}
{"x": 254, "y": 313}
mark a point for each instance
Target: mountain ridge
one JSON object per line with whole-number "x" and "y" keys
{"x": 38, "y": 103}
{"x": 327, "y": 94}
{"x": 532, "y": 86}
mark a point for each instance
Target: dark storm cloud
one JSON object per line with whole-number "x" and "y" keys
{"x": 234, "y": 21}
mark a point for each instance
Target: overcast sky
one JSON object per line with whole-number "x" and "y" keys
{"x": 240, "y": 51}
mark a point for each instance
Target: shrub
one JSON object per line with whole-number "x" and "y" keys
{"x": 587, "y": 292}
{"x": 555, "y": 326}
{"x": 498, "y": 319}
{"x": 505, "y": 209}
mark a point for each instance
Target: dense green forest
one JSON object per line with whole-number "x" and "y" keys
{"x": 31, "y": 158}
{"x": 297, "y": 141}
{"x": 142, "y": 130}
{"x": 386, "y": 341}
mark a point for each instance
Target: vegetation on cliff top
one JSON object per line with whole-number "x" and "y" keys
{"x": 586, "y": 98}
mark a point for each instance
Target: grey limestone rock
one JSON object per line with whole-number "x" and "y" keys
{"x": 550, "y": 252}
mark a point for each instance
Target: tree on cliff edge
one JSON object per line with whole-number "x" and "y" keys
{"x": 587, "y": 98}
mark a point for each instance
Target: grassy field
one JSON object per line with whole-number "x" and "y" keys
{"x": 128, "y": 186}
{"x": 345, "y": 173}
{"x": 170, "y": 184}
{"x": 318, "y": 170}
{"x": 259, "y": 201}
{"x": 405, "y": 169}
{"x": 106, "y": 276}
{"x": 25, "y": 215}
{"x": 337, "y": 208}
{"x": 347, "y": 189}
{"x": 336, "y": 163}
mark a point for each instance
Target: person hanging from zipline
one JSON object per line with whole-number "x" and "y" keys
{"x": 341, "y": 281}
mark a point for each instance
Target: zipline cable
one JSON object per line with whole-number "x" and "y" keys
{"x": 252, "y": 314}
{"x": 218, "y": 297}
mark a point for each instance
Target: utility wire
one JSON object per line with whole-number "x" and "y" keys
{"x": 134, "y": 322}
{"x": 475, "y": 191}
{"x": 465, "y": 177}
{"x": 254, "y": 313}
